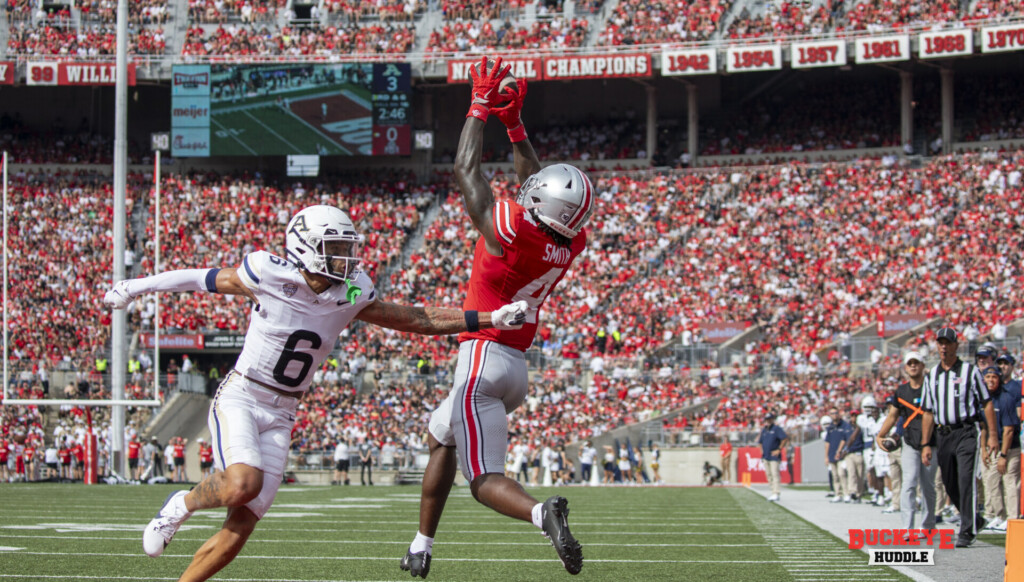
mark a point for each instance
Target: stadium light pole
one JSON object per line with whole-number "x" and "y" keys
{"x": 118, "y": 348}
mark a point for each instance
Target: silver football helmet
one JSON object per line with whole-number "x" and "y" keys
{"x": 324, "y": 241}
{"x": 561, "y": 196}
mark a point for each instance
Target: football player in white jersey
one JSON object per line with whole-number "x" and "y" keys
{"x": 300, "y": 306}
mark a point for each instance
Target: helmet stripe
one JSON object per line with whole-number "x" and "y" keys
{"x": 585, "y": 204}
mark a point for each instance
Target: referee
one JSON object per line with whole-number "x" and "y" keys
{"x": 954, "y": 398}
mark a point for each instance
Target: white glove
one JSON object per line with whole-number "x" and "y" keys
{"x": 119, "y": 297}
{"x": 511, "y": 316}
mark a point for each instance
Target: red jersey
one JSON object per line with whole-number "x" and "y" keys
{"x": 133, "y": 449}
{"x": 30, "y": 453}
{"x": 3, "y": 451}
{"x": 530, "y": 268}
{"x": 206, "y": 453}
{"x": 726, "y": 448}
{"x": 179, "y": 451}
{"x": 65, "y": 456}
{"x": 79, "y": 452}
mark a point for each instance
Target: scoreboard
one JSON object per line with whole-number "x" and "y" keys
{"x": 345, "y": 109}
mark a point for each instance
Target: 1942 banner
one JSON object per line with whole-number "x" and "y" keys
{"x": 691, "y": 62}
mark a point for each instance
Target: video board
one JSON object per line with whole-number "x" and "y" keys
{"x": 341, "y": 109}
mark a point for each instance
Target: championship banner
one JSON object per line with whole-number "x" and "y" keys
{"x": 720, "y": 332}
{"x": 694, "y": 62}
{"x": 882, "y": 49}
{"x": 753, "y": 58}
{"x": 91, "y": 74}
{"x": 6, "y": 72}
{"x": 41, "y": 73}
{"x": 897, "y": 323}
{"x": 945, "y": 43}
{"x": 997, "y": 39}
{"x": 608, "y": 66}
{"x": 172, "y": 341}
{"x": 808, "y": 55}
{"x": 749, "y": 461}
{"x": 458, "y": 70}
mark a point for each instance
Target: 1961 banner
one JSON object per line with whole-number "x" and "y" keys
{"x": 692, "y": 62}
{"x": 882, "y": 49}
{"x": 807, "y": 55}
{"x": 740, "y": 59}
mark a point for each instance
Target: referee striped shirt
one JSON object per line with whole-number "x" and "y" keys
{"x": 955, "y": 395}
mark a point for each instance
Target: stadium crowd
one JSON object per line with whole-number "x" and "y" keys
{"x": 312, "y": 41}
{"x": 663, "y": 21}
{"x": 476, "y": 36}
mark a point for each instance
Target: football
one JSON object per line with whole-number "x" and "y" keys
{"x": 890, "y": 444}
{"x": 508, "y": 82}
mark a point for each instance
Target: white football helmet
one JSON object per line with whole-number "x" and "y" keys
{"x": 561, "y": 196}
{"x": 868, "y": 402}
{"x": 324, "y": 241}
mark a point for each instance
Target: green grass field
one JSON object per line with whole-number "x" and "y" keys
{"x": 76, "y": 532}
{"x": 263, "y": 128}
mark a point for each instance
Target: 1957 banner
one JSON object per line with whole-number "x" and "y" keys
{"x": 807, "y": 55}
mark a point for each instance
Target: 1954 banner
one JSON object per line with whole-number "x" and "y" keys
{"x": 75, "y": 74}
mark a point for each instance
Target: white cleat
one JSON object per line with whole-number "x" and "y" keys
{"x": 161, "y": 529}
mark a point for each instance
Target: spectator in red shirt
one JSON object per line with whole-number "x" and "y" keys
{"x": 726, "y": 451}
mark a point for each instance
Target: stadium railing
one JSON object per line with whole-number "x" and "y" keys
{"x": 434, "y": 64}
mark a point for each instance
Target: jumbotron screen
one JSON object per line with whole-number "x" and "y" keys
{"x": 339, "y": 109}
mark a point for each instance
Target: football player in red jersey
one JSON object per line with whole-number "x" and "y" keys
{"x": 524, "y": 249}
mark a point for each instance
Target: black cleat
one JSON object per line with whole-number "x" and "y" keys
{"x": 417, "y": 564}
{"x": 555, "y": 512}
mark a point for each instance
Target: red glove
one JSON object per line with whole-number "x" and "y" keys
{"x": 485, "y": 87}
{"x": 510, "y": 113}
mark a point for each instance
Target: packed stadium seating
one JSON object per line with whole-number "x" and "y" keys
{"x": 472, "y": 37}
{"x": 311, "y": 41}
{"x": 663, "y": 21}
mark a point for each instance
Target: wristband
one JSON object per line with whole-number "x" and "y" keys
{"x": 517, "y": 133}
{"x": 1003, "y": 455}
{"x": 473, "y": 321}
{"x": 479, "y": 111}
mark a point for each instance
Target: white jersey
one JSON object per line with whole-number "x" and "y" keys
{"x": 292, "y": 329}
